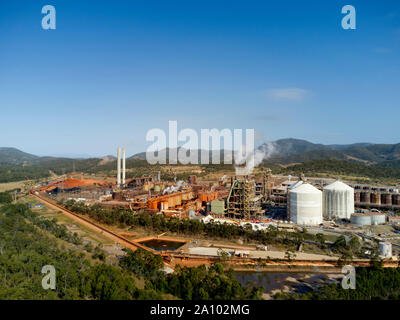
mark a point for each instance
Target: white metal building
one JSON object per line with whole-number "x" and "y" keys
{"x": 305, "y": 205}
{"x": 338, "y": 201}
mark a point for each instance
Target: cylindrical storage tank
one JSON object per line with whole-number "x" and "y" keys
{"x": 357, "y": 196}
{"x": 385, "y": 249}
{"x": 360, "y": 219}
{"x": 365, "y": 197}
{"x": 396, "y": 199}
{"x": 305, "y": 205}
{"x": 375, "y": 198}
{"x": 386, "y": 199}
{"x": 291, "y": 187}
{"x": 338, "y": 201}
{"x": 378, "y": 218}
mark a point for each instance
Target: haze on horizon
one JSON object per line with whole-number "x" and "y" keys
{"x": 111, "y": 72}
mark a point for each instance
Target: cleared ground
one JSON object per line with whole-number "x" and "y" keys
{"x": 261, "y": 254}
{"x": 87, "y": 235}
{"x": 12, "y": 185}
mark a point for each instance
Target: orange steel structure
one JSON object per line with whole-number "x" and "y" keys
{"x": 169, "y": 201}
{"x": 208, "y": 196}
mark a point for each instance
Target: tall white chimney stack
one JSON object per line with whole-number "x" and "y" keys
{"x": 123, "y": 167}
{"x": 119, "y": 166}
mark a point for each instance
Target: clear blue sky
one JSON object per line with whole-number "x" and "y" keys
{"x": 112, "y": 70}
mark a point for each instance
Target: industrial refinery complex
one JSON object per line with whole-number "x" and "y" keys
{"x": 260, "y": 201}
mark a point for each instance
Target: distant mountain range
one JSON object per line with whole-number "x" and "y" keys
{"x": 284, "y": 151}
{"x": 289, "y": 147}
{"x": 295, "y": 150}
{"x": 291, "y": 150}
{"x": 15, "y": 156}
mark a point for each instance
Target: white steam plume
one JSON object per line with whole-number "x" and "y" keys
{"x": 252, "y": 159}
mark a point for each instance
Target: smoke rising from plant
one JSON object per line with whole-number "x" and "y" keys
{"x": 254, "y": 158}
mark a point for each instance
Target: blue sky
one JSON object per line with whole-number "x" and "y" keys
{"x": 112, "y": 70}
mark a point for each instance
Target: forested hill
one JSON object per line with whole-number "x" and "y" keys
{"x": 294, "y": 150}
{"x": 15, "y": 156}
{"x": 283, "y": 151}
{"x": 367, "y": 159}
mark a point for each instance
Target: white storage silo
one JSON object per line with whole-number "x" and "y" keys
{"x": 338, "y": 201}
{"x": 385, "y": 249}
{"x": 305, "y": 205}
{"x": 291, "y": 187}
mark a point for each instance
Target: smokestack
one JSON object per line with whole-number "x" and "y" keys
{"x": 118, "y": 166}
{"x": 123, "y": 167}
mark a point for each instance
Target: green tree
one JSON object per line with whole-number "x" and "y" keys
{"x": 223, "y": 255}
{"x": 320, "y": 238}
{"x": 340, "y": 243}
{"x": 290, "y": 255}
{"x": 354, "y": 244}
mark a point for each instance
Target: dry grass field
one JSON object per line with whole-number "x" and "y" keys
{"x": 11, "y": 185}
